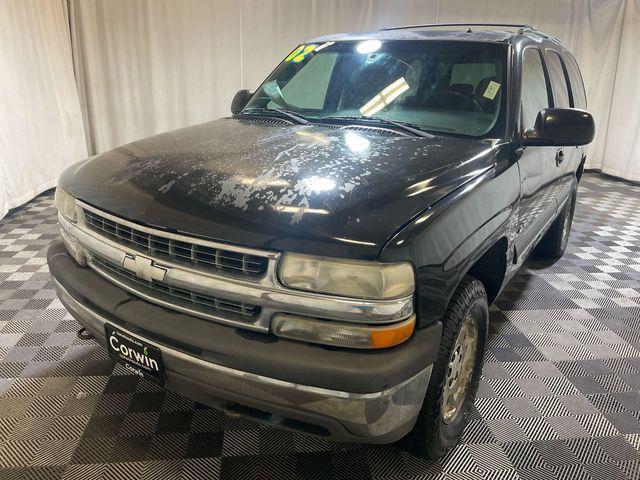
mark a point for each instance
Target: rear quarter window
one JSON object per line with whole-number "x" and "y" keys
{"x": 558, "y": 80}
{"x": 577, "y": 86}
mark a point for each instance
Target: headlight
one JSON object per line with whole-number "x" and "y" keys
{"x": 66, "y": 204}
{"x": 347, "y": 278}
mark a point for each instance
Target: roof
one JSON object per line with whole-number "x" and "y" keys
{"x": 417, "y": 32}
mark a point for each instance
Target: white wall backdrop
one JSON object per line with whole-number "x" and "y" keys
{"x": 146, "y": 66}
{"x": 621, "y": 147}
{"x": 40, "y": 118}
{"x": 151, "y": 65}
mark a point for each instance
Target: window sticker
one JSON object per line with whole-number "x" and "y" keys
{"x": 491, "y": 90}
{"x": 300, "y": 53}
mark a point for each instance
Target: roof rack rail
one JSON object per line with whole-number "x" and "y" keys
{"x": 432, "y": 25}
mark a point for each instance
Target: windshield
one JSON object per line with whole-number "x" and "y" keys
{"x": 449, "y": 87}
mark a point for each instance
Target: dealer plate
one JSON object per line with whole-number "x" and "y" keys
{"x": 135, "y": 354}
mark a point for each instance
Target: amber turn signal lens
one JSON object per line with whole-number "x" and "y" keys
{"x": 328, "y": 332}
{"x": 394, "y": 335}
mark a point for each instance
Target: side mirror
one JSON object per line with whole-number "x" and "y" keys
{"x": 240, "y": 100}
{"x": 560, "y": 127}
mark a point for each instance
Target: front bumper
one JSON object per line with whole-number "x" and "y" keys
{"x": 338, "y": 393}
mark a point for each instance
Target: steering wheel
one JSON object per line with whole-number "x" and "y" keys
{"x": 465, "y": 100}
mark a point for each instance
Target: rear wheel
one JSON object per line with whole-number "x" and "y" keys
{"x": 456, "y": 374}
{"x": 554, "y": 243}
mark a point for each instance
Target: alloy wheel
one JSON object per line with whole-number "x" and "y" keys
{"x": 460, "y": 369}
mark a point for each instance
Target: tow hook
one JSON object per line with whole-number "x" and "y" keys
{"x": 82, "y": 334}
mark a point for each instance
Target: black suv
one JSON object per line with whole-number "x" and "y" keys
{"x": 324, "y": 259}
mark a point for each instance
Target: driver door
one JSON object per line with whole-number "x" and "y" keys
{"x": 540, "y": 171}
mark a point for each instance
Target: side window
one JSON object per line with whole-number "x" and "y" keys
{"x": 577, "y": 87}
{"x": 534, "y": 96}
{"x": 308, "y": 88}
{"x": 558, "y": 80}
{"x": 472, "y": 74}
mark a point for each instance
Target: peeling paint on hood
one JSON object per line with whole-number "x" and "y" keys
{"x": 272, "y": 185}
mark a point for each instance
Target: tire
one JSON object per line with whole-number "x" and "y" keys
{"x": 554, "y": 243}
{"x": 436, "y": 431}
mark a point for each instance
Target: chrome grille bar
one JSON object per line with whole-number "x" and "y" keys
{"x": 202, "y": 303}
{"x": 200, "y": 256}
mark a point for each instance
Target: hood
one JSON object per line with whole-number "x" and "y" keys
{"x": 268, "y": 184}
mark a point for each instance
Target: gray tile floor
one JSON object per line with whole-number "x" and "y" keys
{"x": 560, "y": 395}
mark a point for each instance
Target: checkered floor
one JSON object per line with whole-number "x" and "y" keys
{"x": 560, "y": 395}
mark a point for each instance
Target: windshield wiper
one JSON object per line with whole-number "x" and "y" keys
{"x": 295, "y": 117}
{"x": 407, "y": 127}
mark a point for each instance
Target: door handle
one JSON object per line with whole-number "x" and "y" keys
{"x": 559, "y": 157}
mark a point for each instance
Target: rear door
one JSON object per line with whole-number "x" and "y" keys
{"x": 540, "y": 172}
{"x": 569, "y": 157}
{"x": 578, "y": 99}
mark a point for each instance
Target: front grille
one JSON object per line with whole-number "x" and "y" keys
{"x": 191, "y": 254}
{"x": 188, "y": 299}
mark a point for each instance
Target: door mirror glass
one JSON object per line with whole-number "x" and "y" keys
{"x": 560, "y": 127}
{"x": 240, "y": 100}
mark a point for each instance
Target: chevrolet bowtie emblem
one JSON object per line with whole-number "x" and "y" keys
{"x": 144, "y": 268}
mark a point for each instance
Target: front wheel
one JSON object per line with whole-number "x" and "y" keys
{"x": 456, "y": 374}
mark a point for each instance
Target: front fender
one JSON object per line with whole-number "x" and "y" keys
{"x": 446, "y": 240}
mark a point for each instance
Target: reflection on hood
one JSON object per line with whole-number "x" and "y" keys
{"x": 277, "y": 179}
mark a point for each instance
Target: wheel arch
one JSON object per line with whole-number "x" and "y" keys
{"x": 488, "y": 265}
{"x": 491, "y": 268}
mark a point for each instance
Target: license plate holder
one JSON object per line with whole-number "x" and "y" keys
{"x": 135, "y": 354}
